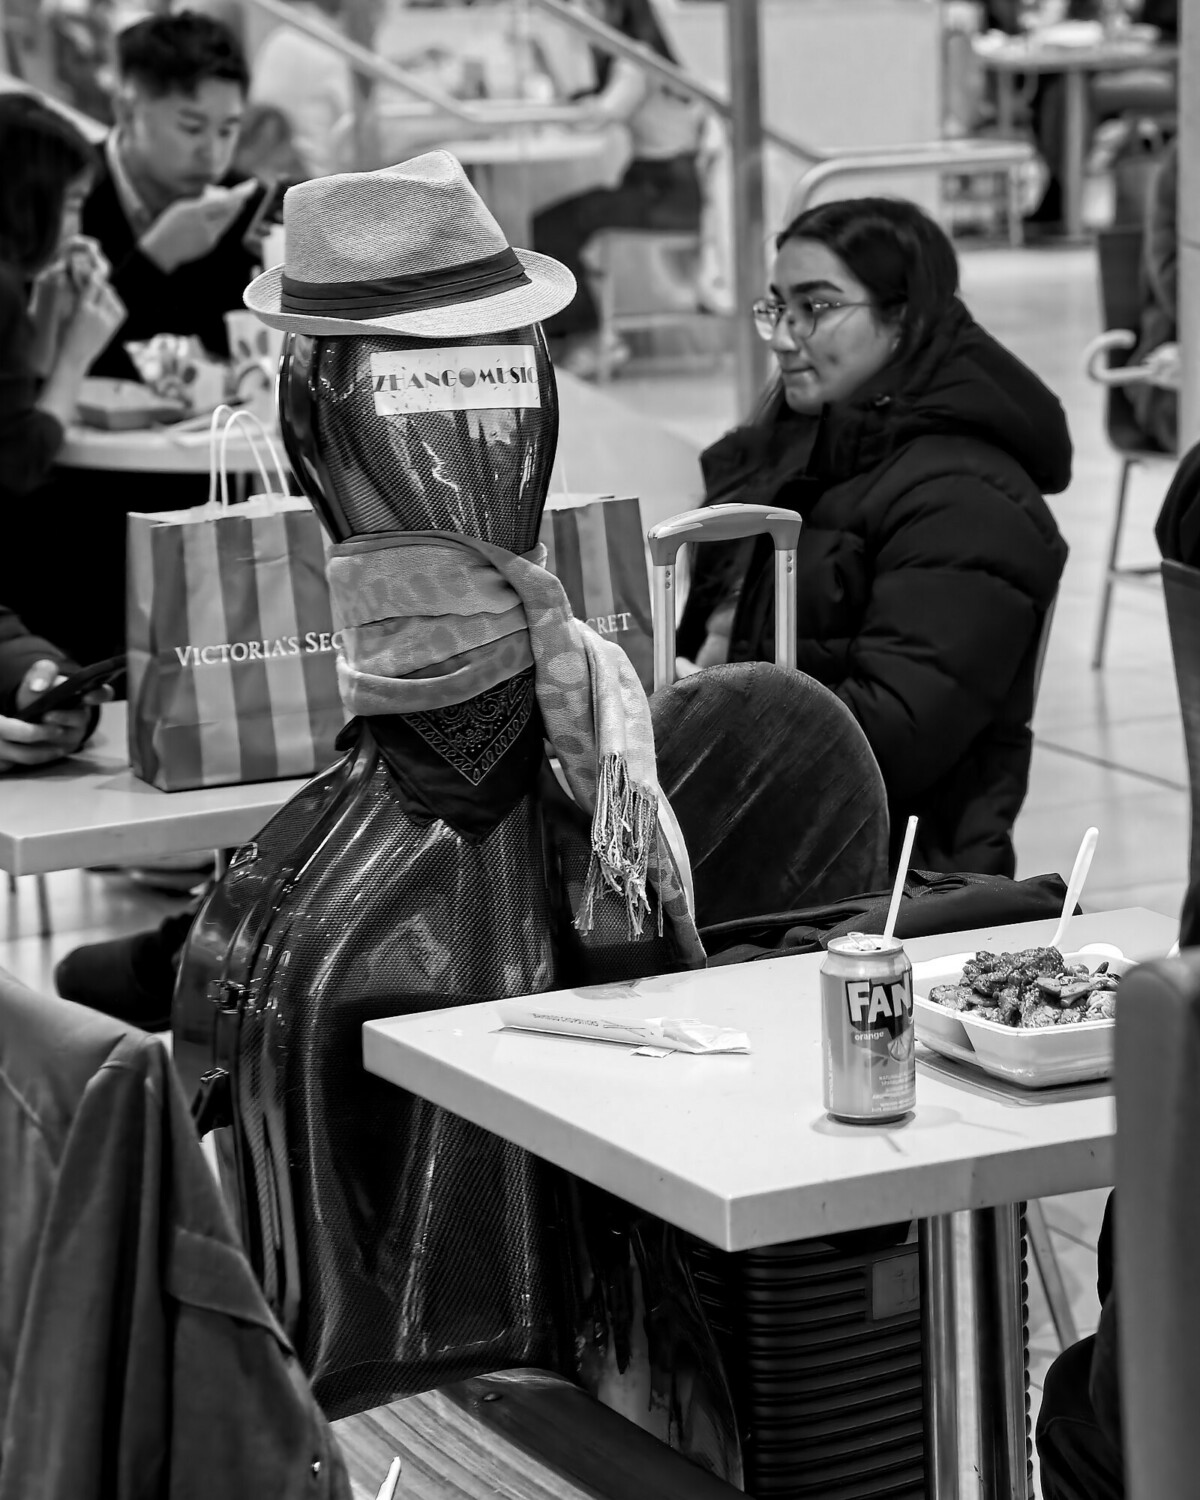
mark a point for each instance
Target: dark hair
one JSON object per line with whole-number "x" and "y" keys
{"x": 43, "y": 153}
{"x": 636, "y": 20}
{"x": 176, "y": 54}
{"x": 896, "y": 250}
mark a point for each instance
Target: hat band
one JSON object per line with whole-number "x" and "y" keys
{"x": 467, "y": 281}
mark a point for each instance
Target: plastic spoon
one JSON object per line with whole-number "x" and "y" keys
{"x": 910, "y": 834}
{"x": 387, "y": 1489}
{"x": 1079, "y": 875}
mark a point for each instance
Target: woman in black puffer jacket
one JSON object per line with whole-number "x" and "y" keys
{"x": 918, "y": 451}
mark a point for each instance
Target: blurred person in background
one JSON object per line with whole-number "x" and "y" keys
{"x": 312, "y": 86}
{"x": 918, "y": 450}
{"x": 661, "y": 187}
{"x": 172, "y": 223}
{"x": 166, "y": 208}
{"x": 265, "y": 147}
{"x": 58, "y": 310}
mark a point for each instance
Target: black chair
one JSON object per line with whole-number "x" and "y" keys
{"x": 1181, "y": 589}
{"x": 1158, "y": 1226}
{"x": 780, "y": 799}
{"x": 1120, "y": 258}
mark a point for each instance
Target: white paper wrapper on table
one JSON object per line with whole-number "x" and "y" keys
{"x": 666, "y": 1032}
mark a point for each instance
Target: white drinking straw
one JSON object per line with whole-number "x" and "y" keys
{"x": 1083, "y": 863}
{"x": 910, "y": 833}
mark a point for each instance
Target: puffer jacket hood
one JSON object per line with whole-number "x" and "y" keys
{"x": 964, "y": 382}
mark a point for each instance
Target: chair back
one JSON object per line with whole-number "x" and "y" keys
{"x": 1119, "y": 254}
{"x": 778, "y": 793}
{"x": 1158, "y": 1225}
{"x": 1181, "y": 590}
{"x": 120, "y": 1272}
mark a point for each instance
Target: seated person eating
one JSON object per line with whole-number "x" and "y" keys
{"x": 173, "y": 229}
{"x": 918, "y": 450}
{"x": 165, "y": 209}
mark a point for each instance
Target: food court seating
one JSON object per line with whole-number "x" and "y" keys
{"x": 98, "y": 1232}
{"x": 1120, "y": 256}
{"x": 1157, "y": 1242}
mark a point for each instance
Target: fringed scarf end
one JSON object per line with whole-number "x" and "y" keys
{"x": 624, "y": 833}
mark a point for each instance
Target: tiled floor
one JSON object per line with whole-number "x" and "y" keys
{"x": 1109, "y": 748}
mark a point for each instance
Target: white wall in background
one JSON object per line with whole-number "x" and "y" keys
{"x": 834, "y": 73}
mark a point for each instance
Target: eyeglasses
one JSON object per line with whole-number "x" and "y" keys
{"x": 802, "y": 316}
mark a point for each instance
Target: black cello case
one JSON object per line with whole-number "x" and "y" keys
{"x": 435, "y": 864}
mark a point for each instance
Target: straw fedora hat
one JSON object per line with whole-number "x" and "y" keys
{"x": 409, "y": 249}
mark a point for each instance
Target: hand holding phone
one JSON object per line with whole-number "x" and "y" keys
{"x": 268, "y": 213}
{"x": 53, "y": 718}
{"x": 45, "y": 692}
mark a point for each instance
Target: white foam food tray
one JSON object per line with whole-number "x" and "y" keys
{"x": 1033, "y": 1057}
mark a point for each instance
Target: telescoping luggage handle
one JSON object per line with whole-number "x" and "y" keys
{"x": 723, "y": 523}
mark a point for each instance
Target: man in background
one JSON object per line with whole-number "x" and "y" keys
{"x": 165, "y": 209}
{"x": 174, "y": 229}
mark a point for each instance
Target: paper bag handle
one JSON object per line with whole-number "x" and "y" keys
{"x": 254, "y": 426}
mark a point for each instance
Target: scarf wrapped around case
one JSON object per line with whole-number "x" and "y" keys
{"x": 431, "y": 619}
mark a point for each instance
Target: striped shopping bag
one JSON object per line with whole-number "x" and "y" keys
{"x": 231, "y": 645}
{"x": 596, "y": 548}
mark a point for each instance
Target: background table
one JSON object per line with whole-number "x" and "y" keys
{"x": 156, "y": 450}
{"x": 1009, "y": 56}
{"x": 738, "y": 1150}
{"x": 92, "y": 810}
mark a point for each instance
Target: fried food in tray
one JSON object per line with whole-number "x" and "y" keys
{"x": 1034, "y": 988}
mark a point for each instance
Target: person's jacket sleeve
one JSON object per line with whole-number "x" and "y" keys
{"x": 169, "y": 1375}
{"x": 29, "y": 438}
{"x": 949, "y": 622}
{"x": 18, "y": 652}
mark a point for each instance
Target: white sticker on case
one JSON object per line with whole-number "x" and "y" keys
{"x": 471, "y": 377}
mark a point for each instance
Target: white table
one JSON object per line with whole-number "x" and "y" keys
{"x": 92, "y": 810}
{"x": 154, "y": 450}
{"x": 739, "y": 1151}
{"x": 1009, "y": 57}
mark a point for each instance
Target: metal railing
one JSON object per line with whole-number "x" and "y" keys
{"x": 494, "y": 114}
{"x": 961, "y": 154}
{"x": 943, "y": 156}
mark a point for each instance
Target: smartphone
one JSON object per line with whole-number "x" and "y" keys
{"x": 71, "y": 692}
{"x": 269, "y": 211}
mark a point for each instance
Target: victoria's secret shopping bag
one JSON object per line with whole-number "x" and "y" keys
{"x": 596, "y": 548}
{"x": 230, "y": 640}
